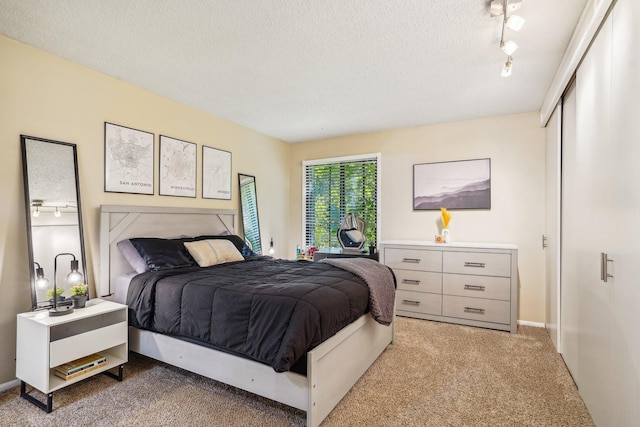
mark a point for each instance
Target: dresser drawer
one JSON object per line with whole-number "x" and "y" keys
{"x": 484, "y": 310}
{"x": 419, "y": 281}
{"x": 413, "y": 259}
{"x": 479, "y": 263}
{"x": 418, "y": 302}
{"x": 466, "y": 285}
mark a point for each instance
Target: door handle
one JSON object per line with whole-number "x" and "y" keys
{"x": 604, "y": 267}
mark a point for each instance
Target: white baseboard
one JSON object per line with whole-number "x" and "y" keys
{"x": 10, "y": 384}
{"x": 534, "y": 324}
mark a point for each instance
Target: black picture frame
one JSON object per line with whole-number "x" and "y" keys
{"x": 128, "y": 160}
{"x": 216, "y": 173}
{"x": 459, "y": 184}
{"x": 177, "y": 167}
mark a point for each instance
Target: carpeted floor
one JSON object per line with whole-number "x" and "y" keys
{"x": 435, "y": 374}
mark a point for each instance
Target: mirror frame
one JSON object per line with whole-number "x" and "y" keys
{"x": 243, "y": 213}
{"x": 25, "y": 177}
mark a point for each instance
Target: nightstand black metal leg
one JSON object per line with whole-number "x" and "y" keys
{"x": 47, "y": 407}
{"x": 117, "y": 376}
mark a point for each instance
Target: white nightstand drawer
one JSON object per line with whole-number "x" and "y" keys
{"x": 479, "y": 263}
{"x": 413, "y": 259}
{"x": 419, "y": 281}
{"x": 419, "y": 302}
{"x": 466, "y": 285}
{"x": 485, "y": 310}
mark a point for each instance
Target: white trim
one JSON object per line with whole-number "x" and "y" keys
{"x": 9, "y": 385}
{"x": 343, "y": 159}
{"x": 592, "y": 16}
{"x": 534, "y": 324}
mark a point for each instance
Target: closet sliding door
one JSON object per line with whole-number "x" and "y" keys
{"x": 551, "y": 242}
{"x": 569, "y": 321}
{"x": 593, "y": 190}
{"x": 600, "y": 297}
{"x": 624, "y": 220}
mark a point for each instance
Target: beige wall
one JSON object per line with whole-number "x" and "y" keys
{"x": 516, "y": 146}
{"x": 45, "y": 96}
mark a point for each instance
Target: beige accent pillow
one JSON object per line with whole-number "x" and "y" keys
{"x": 212, "y": 252}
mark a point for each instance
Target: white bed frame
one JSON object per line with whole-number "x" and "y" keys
{"x": 332, "y": 368}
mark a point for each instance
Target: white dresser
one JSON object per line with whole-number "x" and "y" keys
{"x": 472, "y": 284}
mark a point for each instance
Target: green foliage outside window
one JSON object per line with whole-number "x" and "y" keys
{"x": 335, "y": 190}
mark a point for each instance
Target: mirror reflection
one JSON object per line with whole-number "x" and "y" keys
{"x": 54, "y": 220}
{"x": 249, "y": 208}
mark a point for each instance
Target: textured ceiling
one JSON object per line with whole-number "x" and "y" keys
{"x": 301, "y": 70}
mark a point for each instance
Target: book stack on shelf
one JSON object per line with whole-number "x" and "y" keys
{"x": 81, "y": 366}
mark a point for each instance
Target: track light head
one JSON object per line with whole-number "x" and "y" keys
{"x": 515, "y": 22}
{"x": 497, "y": 7}
{"x": 506, "y": 68}
{"x": 509, "y": 47}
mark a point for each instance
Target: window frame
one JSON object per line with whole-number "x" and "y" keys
{"x": 344, "y": 159}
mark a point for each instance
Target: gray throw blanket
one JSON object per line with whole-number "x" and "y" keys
{"x": 379, "y": 279}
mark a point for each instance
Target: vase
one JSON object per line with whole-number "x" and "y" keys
{"x": 445, "y": 235}
{"x": 79, "y": 301}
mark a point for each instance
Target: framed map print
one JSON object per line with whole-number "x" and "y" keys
{"x": 177, "y": 167}
{"x": 216, "y": 173}
{"x": 128, "y": 160}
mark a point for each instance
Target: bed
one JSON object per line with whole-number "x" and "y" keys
{"x": 332, "y": 367}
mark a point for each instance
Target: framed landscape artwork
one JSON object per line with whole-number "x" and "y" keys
{"x": 462, "y": 184}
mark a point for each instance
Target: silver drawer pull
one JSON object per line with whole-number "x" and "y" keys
{"x": 411, "y": 281}
{"x": 412, "y": 260}
{"x": 410, "y": 302}
{"x": 474, "y": 287}
{"x": 474, "y": 310}
{"x": 474, "y": 264}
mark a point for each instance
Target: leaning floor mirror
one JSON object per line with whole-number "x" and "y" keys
{"x": 249, "y": 208}
{"x": 54, "y": 223}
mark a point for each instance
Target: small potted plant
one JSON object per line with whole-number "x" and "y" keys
{"x": 79, "y": 293}
{"x": 49, "y": 294}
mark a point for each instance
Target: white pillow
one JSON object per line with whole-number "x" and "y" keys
{"x": 212, "y": 252}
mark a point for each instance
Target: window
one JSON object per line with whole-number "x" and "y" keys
{"x": 334, "y": 188}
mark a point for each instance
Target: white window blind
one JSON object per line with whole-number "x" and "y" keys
{"x": 334, "y": 188}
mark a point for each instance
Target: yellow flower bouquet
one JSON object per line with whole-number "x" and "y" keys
{"x": 446, "y": 217}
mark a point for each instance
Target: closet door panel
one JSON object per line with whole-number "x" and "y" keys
{"x": 625, "y": 200}
{"x": 569, "y": 235}
{"x": 595, "y": 177}
{"x": 552, "y": 227}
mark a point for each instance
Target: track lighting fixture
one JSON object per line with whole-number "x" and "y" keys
{"x": 512, "y": 22}
{"x": 508, "y": 47}
{"x": 506, "y": 68}
{"x": 515, "y": 22}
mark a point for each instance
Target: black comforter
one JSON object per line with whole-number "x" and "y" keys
{"x": 272, "y": 311}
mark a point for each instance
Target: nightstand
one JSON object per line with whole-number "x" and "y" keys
{"x": 44, "y": 342}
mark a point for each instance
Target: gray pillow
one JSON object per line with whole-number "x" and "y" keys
{"x": 131, "y": 254}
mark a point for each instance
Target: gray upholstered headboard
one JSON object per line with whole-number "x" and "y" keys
{"x": 122, "y": 222}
